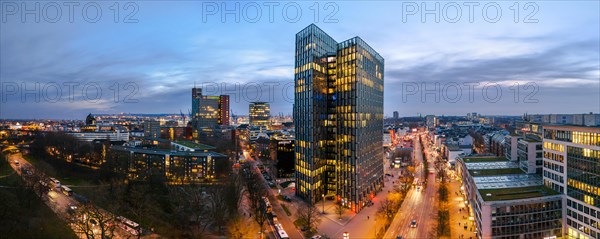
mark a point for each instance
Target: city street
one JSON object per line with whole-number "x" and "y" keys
{"x": 361, "y": 225}
{"x": 58, "y": 202}
{"x": 286, "y": 222}
{"x": 418, "y": 205}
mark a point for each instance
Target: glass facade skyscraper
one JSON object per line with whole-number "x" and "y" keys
{"x": 338, "y": 117}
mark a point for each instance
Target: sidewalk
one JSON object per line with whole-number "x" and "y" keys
{"x": 358, "y": 225}
{"x": 460, "y": 225}
{"x": 330, "y": 213}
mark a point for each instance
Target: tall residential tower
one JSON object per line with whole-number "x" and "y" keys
{"x": 338, "y": 117}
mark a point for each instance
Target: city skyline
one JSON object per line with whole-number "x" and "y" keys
{"x": 308, "y": 119}
{"x": 553, "y": 53}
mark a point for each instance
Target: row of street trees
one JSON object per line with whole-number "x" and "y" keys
{"x": 388, "y": 209}
{"x": 443, "y": 220}
{"x": 425, "y": 163}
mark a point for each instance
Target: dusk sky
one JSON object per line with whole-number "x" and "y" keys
{"x": 174, "y": 45}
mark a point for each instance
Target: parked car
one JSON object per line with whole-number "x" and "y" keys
{"x": 413, "y": 223}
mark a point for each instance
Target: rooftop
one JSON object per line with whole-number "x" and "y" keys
{"x": 516, "y": 193}
{"x": 169, "y": 152}
{"x": 531, "y": 140}
{"x": 491, "y": 165}
{"x": 476, "y": 159}
{"x": 491, "y": 172}
{"x": 193, "y": 145}
{"x": 507, "y": 181}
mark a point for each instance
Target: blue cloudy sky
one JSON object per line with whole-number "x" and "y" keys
{"x": 148, "y": 60}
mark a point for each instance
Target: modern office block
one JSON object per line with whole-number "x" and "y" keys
{"x": 572, "y": 166}
{"x": 260, "y": 114}
{"x": 209, "y": 112}
{"x": 506, "y": 202}
{"x": 338, "y": 117}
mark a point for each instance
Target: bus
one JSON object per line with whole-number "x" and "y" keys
{"x": 55, "y": 182}
{"x": 267, "y": 204}
{"x": 66, "y": 190}
{"x": 129, "y": 225}
{"x": 281, "y": 234}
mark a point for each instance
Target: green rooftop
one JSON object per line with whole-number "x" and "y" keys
{"x": 493, "y": 172}
{"x": 481, "y": 159}
{"x": 516, "y": 193}
{"x": 531, "y": 140}
{"x": 193, "y": 145}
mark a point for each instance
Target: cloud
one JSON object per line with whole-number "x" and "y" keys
{"x": 574, "y": 60}
{"x": 170, "y": 49}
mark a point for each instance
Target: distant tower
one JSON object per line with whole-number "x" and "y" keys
{"x": 260, "y": 113}
{"x": 209, "y": 111}
{"x": 90, "y": 120}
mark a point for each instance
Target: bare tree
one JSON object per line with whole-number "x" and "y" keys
{"x": 386, "y": 209}
{"x": 239, "y": 228}
{"x": 256, "y": 191}
{"x": 234, "y": 191}
{"x": 178, "y": 172}
{"x": 138, "y": 204}
{"x": 89, "y": 217}
{"x": 36, "y": 181}
{"x": 190, "y": 210}
{"x": 218, "y": 209}
{"x": 309, "y": 216}
{"x": 82, "y": 224}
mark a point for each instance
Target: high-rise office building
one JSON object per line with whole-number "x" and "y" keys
{"x": 338, "y": 117}
{"x": 260, "y": 113}
{"x": 209, "y": 111}
{"x": 396, "y": 115}
{"x": 571, "y": 165}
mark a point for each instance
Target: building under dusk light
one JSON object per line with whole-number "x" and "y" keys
{"x": 260, "y": 113}
{"x": 209, "y": 112}
{"x": 338, "y": 117}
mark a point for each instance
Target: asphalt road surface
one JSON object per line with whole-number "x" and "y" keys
{"x": 418, "y": 205}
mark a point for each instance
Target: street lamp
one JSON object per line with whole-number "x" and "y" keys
{"x": 375, "y": 227}
{"x": 323, "y": 202}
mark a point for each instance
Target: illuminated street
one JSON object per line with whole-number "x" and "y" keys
{"x": 418, "y": 205}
